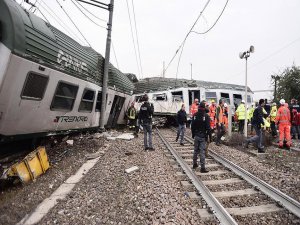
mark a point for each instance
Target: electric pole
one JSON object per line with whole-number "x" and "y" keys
{"x": 191, "y": 71}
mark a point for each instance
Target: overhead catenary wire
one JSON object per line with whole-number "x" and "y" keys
{"x": 181, "y": 45}
{"x": 137, "y": 39}
{"x": 90, "y": 12}
{"x": 200, "y": 33}
{"x": 87, "y": 16}
{"x": 132, "y": 36}
{"x": 214, "y": 22}
{"x": 59, "y": 21}
{"x": 73, "y": 22}
{"x": 113, "y": 48}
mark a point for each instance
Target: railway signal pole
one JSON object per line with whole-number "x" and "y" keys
{"x": 246, "y": 55}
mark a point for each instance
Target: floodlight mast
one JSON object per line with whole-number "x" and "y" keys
{"x": 246, "y": 55}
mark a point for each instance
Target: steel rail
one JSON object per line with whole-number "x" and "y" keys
{"x": 219, "y": 211}
{"x": 282, "y": 199}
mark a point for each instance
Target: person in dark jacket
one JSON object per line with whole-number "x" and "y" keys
{"x": 145, "y": 119}
{"x": 181, "y": 120}
{"x": 200, "y": 133}
{"x": 257, "y": 122}
{"x": 295, "y": 110}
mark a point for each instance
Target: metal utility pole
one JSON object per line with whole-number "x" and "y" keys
{"x": 106, "y": 65}
{"x": 163, "y": 69}
{"x": 191, "y": 71}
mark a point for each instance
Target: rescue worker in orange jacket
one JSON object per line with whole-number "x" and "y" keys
{"x": 220, "y": 122}
{"x": 212, "y": 114}
{"x": 283, "y": 119}
{"x": 225, "y": 115}
{"x": 194, "y": 107}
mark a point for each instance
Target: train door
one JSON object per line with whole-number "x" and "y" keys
{"x": 192, "y": 95}
{"x": 115, "y": 111}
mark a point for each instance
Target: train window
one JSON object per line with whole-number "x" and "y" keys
{"x": 211, "y": 96}
{"x": 87, "y": 101}
{"x": 139, "y": 98}
{"x": 34, "y": 87}
{"x": 249, "y": 99}
{"x": 99, "y": 100}
{"x": 237, "y": 99}
{"x": 225, "y": 97}
{"x": 177, "y": 96}
{"x": 160, "y": 97}
{"x": 64, "y": 97}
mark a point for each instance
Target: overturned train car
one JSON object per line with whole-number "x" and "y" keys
{"x": 49, "y": 83}
{"x": 168, "y": 94}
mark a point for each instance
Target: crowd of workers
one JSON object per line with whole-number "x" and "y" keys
{"x": 208, "y": 118}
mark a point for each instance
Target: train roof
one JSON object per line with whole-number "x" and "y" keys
{"x": 160, "y": 84}
{"x": 30, "y": 37}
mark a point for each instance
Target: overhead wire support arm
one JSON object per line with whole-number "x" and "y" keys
{"x": 99, "y": 6}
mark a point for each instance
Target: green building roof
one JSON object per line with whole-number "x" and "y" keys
{"x": 31, "y": 37}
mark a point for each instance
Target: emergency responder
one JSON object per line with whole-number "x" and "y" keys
{"x": 250, "y": 116}
{"x": 181, "y": 120}
{"x": 241, "y": 114}
{"x": 273, "y": 114}
{"x": 267, "y": 107}
{"x": 200, "y": 133}
{"x": 294, "y": 109}
{"x": 209, "y": 138}
{"x": 212, "y": 114}
{"x": 283, "y": 119}
{"x": 225, "y": 115}
{"x": 194, "y": 107}
{"x": 220, "y": 122}
{"x": 132, "y": 117}
{"x": 145, "y": 119}
{"x": 257, "y": 121}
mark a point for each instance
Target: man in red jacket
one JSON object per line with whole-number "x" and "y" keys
{"x": 283, "y": 119}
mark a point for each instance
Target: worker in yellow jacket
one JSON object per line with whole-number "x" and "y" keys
{"x": 273, "y": 114}
{"x": 241, "y": 114}
{"x": 250, "y": 115}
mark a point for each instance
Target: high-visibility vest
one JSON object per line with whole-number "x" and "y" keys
{"x": 193, "y": 109}
{"x": 225, "y": 117}
{"x": 250, "y": 113}
{"x": 131, "y": 113}
{"x": 221, "y": 115}
{"x": 241, "y": 111}
{"x": 283, "y": 116}
{"x": 273, "y": 113}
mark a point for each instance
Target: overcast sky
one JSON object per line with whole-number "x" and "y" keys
{"x": 271, "y": 26}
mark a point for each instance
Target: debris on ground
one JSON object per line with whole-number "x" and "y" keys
{"x": 31, "y": 167}
{"x": 94, "y": 155}
{"x": 70, "y": 142}
{"x": 131, "y": 169}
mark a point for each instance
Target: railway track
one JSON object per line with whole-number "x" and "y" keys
{"x": 232, "y": 194}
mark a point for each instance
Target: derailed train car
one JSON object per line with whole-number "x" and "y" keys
{"x": 49, "y": 83}
{"x": 168, "y": 94}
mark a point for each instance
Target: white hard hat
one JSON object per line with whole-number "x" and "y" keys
{"x": 243, "y": 101}
{"x": 225, "y": 104}
{"x": 253, "y": 104}
{"x": 282, "y": 102}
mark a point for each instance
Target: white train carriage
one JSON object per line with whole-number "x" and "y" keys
{"x": 49, "y": 83}
{"x": 168, "y": 94}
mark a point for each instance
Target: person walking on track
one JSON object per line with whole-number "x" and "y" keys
{"x": 145, "y": 119}
{"x": 241, "y": 113}
{"x": 283, "y": 120}
{"x": 257, "y": 122}
{"x": 181, "y": 120}
{"x": 220, "y": 121}
{"x": 200, "y": 133}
